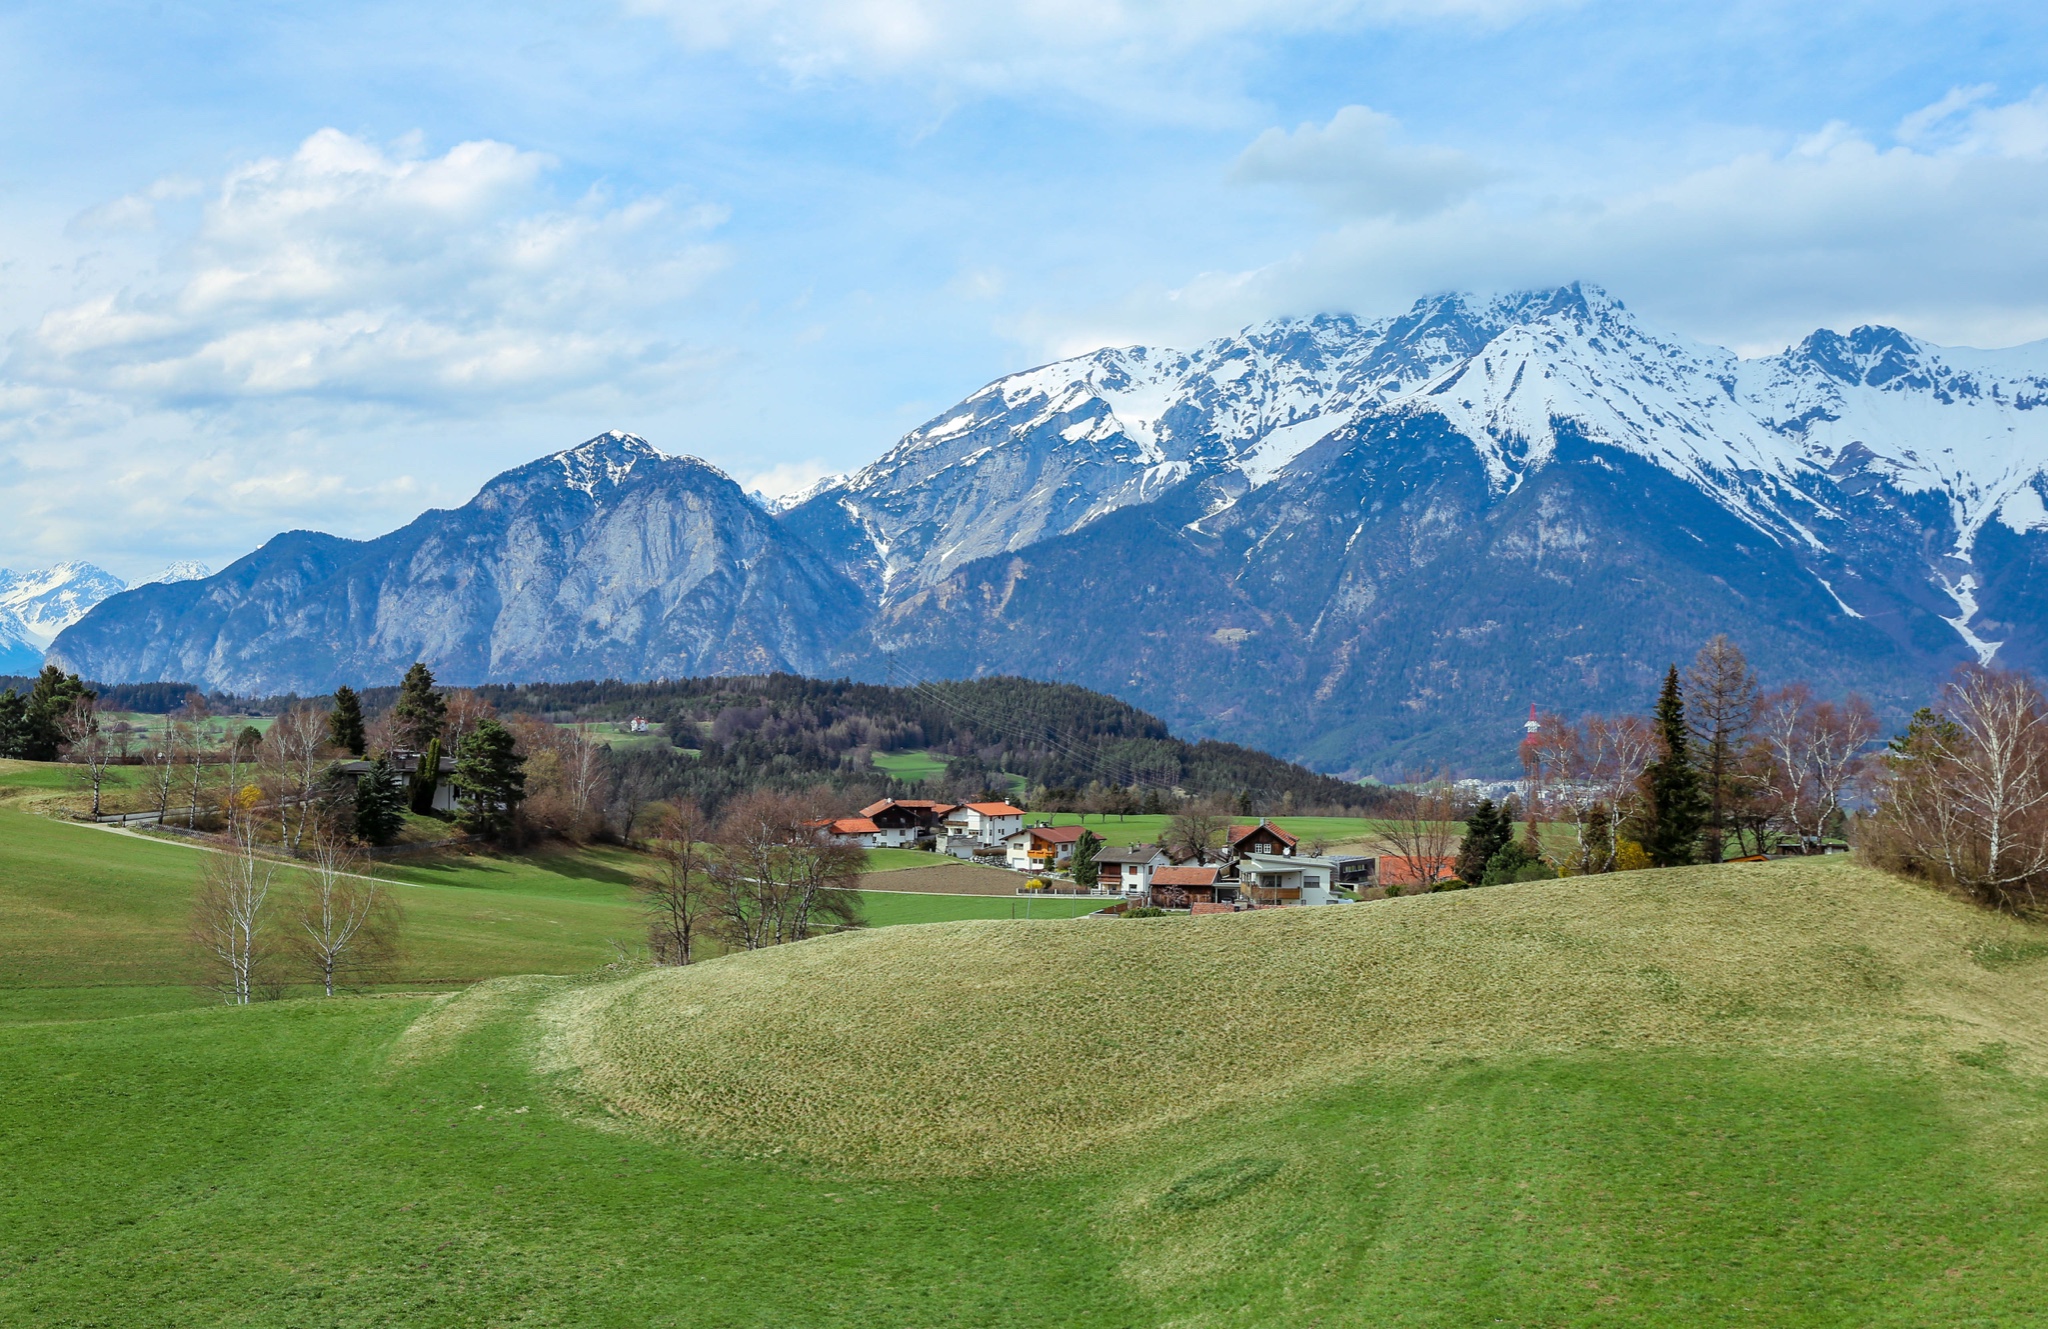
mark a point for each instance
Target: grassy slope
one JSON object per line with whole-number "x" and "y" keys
{"x": 94, "y": 923}
{"x": 1730, "y": 1096}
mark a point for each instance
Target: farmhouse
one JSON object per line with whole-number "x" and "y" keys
{"x": 983, "y": 823}
{"x": 1264, "y": 838}
{"x": 1041, "y": 848}
{"x": 905, "y": 821}
{"x": 1129, "y": 870}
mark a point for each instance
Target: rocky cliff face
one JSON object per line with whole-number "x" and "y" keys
{"x": 606, "y": 560}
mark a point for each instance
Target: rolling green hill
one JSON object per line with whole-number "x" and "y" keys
{"x": 1786, "y": 1094}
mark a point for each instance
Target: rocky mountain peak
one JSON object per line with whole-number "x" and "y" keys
{"x": 604, "y": 461}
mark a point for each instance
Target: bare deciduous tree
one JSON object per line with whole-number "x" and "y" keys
{"x": 777, "y": 876}
{"x": 1811, "y": 755}
{"x": 297, "y": 749}
{"x": 1195, "y": 834}
{"x": 1966, "y": 794}
{"x": 160, "y": 759}
{"x": 1596, "y": 770}
{"x": 348, "y": 923}
{"x": 88, "y": 745}
{"x": 678, "y": 892}
{"x": 232, "y": 924}
{"x": 1720, "y": 702}
{"x": 189, "y": 742}
{"x": 1424, "y": 828}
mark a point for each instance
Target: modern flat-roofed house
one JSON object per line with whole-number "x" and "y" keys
{"x": 904, "y": 821}
{"x": 1177, "y": 888}
{"x": 983, "y": 823}
{"x": 1041, "y": 848}
{"x": 407, "y": 764}
{"x": 1264, "y": 838}
{"x": 1355, "y": 872}
{"x": 1285, "y": 879}
{"x": 1128, "y": 871}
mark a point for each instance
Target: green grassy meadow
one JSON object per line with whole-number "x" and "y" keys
{"x": 1799, "y": 1093}
{"x": 94, "y": 920}
{"x": 1339, "y": 832}
{"x": 910, "y": 765}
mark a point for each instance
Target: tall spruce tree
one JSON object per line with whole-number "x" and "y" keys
{"x": 345, "y": 721}
{"x": 1674, "y": 804}
{"x": 420, "y": 711}
{"x": 1487, "y": 832}
{"x": 380, "y": 804}
{"x": 1722, "y": 712}
{"x": 1086, "y": 871}
{"x": 489, "y": 780}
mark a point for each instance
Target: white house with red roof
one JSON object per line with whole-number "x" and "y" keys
{"x": 984, "y": 824}
{"x": 1041, "y": 848}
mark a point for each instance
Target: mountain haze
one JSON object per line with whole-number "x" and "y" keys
{"x": 1369, "y": 545}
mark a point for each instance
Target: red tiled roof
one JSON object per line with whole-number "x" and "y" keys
{"x": 1397, "y": 870}
{"x": 854, "y": 826}
{"x": 1058, "y": 834}
{"x": 1184, "y": 876}
{"x": 996, "y": 809}
{"x": 1240, "y": 832}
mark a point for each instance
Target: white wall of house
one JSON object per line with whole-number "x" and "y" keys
{"x": 1311, "y": 876}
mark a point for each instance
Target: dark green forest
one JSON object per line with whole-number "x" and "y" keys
{"x": 784, "y": 731}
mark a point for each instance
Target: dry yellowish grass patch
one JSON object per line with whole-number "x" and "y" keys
{"x": 970, "y": 1047}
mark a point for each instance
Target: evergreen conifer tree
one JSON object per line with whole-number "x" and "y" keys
{"x": 1674, "y": 803}
{"x": 41, "y": 733}
{"x": 13, "y": 723}
{"x": 345, "y": 721}
{"x": 490, "y": 779}
{"x": 380, "y": 804}
{"x": 420, "y": 711}
{"x": 427, "y": 778}
{"x": 1086, "y": 871}
{"x": 1487, "y": 831}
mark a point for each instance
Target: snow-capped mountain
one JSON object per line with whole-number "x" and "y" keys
{"x": 36, "y": 606}
{"x": 48, "y": 600}
{"x": 1776, "y": 441}
{"x": 1365, "y": 544}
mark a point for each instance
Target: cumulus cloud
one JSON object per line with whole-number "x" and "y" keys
{"x": 301, "y": 335}
{"x": 348, "y": 269}
{"x": 1354, "y": 164}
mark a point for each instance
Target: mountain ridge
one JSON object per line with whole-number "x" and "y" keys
{"x": 1236, "y": 537}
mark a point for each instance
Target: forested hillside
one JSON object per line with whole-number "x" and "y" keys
{"x": 725, "y": 735}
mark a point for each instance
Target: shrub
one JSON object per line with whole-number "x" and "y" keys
{"x": 1145, "y": 911}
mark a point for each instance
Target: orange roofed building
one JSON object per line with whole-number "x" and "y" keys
{"x": 1403, "y": 871}
{"x": 983, "y": 825}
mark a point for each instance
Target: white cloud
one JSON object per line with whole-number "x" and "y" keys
{"x": 1354, "y": 165}
{"x": 355, "y": 271}
{"x": 790, "y": 477}
{"x": 1946, "y": 236}
{"x": 291, "y": 346}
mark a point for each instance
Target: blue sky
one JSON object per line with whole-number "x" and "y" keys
{"x": 266, "y": 266}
